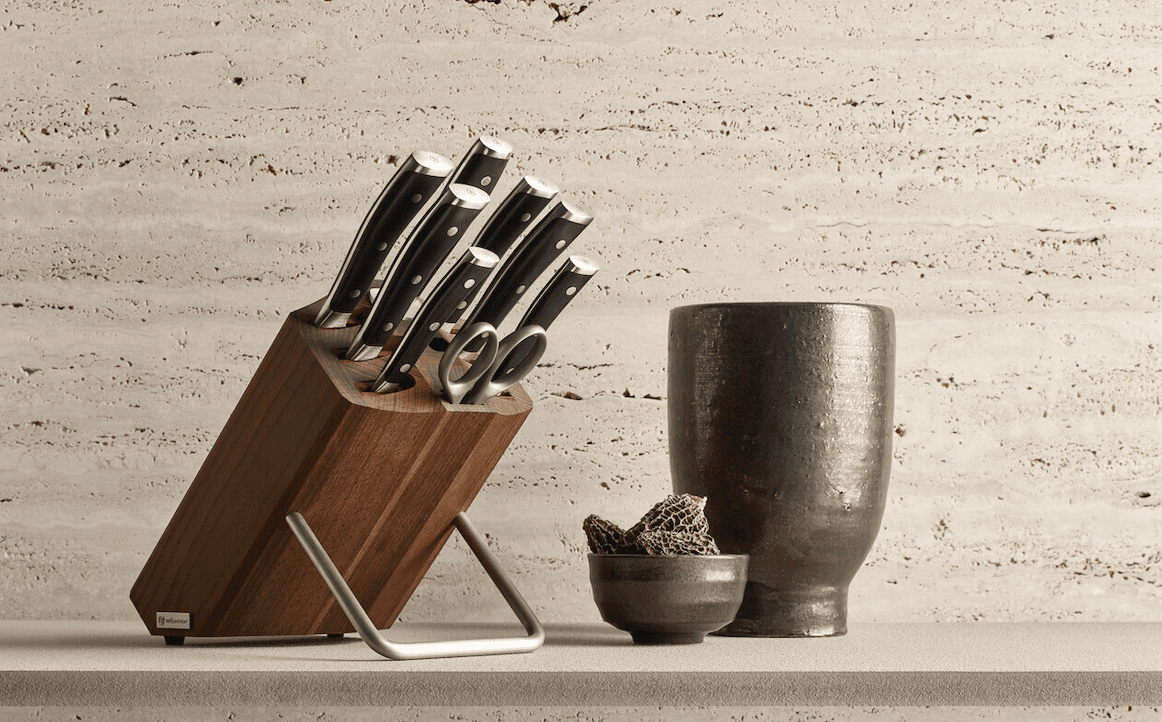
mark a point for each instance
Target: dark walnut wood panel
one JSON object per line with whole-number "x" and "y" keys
{"x": 379, "y": 477}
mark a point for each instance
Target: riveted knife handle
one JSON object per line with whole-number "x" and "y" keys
{"x": 535, "y": 253}
{"x": 402, "y": 198}
{"x": 469, "y": 272}
{"x": 570, "y": 278}
{"x": 424, "y": 251}
{"x": 510, "y": 219}
{"x": 515, "y": 214}
{"x": 483, "y": 164}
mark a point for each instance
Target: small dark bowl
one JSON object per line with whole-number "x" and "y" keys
{"x": 668, "y": 600}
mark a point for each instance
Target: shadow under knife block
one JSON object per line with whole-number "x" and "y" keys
{"x": 380, "y": 478}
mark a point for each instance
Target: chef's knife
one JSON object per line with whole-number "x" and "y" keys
{"x": 470, "y": 271}
{"x": 423, "y": 252}
{"x": 570, "y": 278}
{"x": 510, "y": 219}
{"x": 535, "y": 253}
{"x": 483, "y": 164}
{"x": 398, "y": 203}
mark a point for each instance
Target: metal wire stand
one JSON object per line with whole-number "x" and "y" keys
{"x": 426, "y": 650}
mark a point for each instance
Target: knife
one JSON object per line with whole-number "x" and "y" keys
{"x": 483, "y": 164}
{"x": 510, "y": 219}
{"x": 398, "y": 203}
{"x": 535, "y": 253}
{"x": 470, "y": 271}
{"x": 422, "y": 253}
{"x": 568, "y": 280}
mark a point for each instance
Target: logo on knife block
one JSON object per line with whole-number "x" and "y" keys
{"x": 173, "y": 620}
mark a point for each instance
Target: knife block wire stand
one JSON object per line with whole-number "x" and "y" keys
{"x": 382, "y": 478}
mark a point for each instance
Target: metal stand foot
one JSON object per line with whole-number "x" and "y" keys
{"x": 426, "y": 650}
{"x": 174, "y": 641}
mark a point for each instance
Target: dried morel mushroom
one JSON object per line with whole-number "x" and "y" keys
{"x": 676, "y": 543}
{"x": 685, "y": 513}
{"x": 677, "y": 525}
{"x": 605, "y": 537}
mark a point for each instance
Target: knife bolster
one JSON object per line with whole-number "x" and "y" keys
{"x": 382, "y": 477}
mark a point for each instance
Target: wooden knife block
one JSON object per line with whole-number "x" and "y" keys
{"x": 380, "y": 479}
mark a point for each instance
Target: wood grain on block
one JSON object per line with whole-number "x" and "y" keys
{"x": 379, "y": 477}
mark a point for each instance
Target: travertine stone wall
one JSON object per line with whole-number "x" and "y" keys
{"x": 176, "y": 177}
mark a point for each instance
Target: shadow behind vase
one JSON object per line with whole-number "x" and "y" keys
{"x": 781, "y": 415}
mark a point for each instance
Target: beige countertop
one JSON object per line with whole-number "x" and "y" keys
{"x": 108, "y": 663}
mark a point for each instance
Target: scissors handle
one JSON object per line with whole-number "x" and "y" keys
{"x": 455, "y": 389}
{"x": 501, "y": 375}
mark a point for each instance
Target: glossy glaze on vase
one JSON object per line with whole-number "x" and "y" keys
{"x": 781, "y": 415}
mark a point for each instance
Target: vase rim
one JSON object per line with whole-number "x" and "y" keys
{"x": 656, "y": 557}
{"x": 780, "y": 304}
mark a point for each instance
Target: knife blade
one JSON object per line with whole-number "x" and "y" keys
{"x": 426, "y": 248}
{"x": 510, "y": 219}
{"x": 562, "y": 288}
{"x": 398, "y": 203}
{"x": 531, "y": 257}
{"x": 470, "y": 271}
{"x": 483, "y": 164}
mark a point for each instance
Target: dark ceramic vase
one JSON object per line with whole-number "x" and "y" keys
{"x": 780, "y": 414}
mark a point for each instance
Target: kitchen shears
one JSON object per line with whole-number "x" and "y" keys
{"x": 494, "y": 370}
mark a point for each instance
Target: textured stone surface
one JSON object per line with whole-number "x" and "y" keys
{"x": 223, "y": 713}
{"x": 890, "y": 665}
{"x": 175, "y": 178}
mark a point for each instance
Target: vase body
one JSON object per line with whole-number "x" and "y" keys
{"x": 780, "y": 414}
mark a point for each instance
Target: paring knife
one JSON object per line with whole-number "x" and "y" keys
{"x": 423, "y": 252}
{"x": 510, "y": 219}
{"x": 469, "y": 272}
{"x": 570, "y": 278}
{"x": 535, "y": 253}
{"x": 398, "y": 203}
{"x": 483, "y": 164}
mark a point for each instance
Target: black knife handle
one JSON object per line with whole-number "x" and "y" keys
{"x": 470, "y": 271}
{"x": 535, "y": 253}
{"x": 510, "y": 219}
{"x": 483, "y": 164}
{"x": 513, "y": 216}
{"x": 570, "y": 278}
{"x": 398, "y": 203}
{"x": 426, "y": 248}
